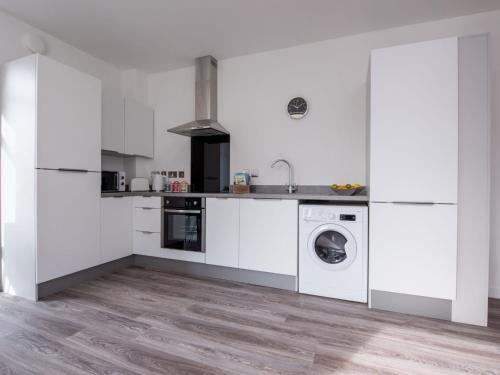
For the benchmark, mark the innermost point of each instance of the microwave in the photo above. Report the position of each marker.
(112, 181)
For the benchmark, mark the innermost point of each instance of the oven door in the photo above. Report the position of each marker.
(183, 229)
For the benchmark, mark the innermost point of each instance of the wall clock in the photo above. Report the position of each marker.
(297, 108)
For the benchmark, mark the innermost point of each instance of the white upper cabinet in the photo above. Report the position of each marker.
(268, 235)
(113, 123)
(68, 225)
(139, 129)
(414, 123)
(68, 117)
(116, 228)
(223, 230)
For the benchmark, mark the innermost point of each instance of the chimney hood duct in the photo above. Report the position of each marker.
(205, 123)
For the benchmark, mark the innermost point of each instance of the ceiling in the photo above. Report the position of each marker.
(157, 35)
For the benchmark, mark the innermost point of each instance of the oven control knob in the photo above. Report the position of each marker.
(167, 202)
(195, 203)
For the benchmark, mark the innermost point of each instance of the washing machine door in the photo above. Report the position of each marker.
(332, 247)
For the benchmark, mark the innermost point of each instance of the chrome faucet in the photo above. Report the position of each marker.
(291, 186)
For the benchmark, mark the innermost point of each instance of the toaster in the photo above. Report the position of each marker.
(139, 184)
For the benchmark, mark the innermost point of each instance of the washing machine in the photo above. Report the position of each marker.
(333, 251)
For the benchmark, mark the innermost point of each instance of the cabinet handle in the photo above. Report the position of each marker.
(118, 196)
(404, 202)
(147, 208)
(183, 211)
(145, 232)
(73, 170)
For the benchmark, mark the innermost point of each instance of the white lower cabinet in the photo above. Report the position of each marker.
(147, 243)
(222, 231)
(147, 219)
(68, 226)
(268, 235)
(116, 228)
(413, 249)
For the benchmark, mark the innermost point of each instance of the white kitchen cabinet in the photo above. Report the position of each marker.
(68, 117)
(147, 202)
(51, 127)
(147, 243)
(268, 235)
(147, 219)
(113, 123)
(116, 228)
(139, 129)
(67, 220)
(413, 249)
(414, 123)
(222, 231)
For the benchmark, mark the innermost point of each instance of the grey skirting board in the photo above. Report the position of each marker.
(226, 273)
(414, 305)
(168, 265)
(53, 286)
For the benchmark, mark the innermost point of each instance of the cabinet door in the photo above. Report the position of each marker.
(414, 123)
(222, 231)
(147, 219)
(413, 249)
(139, 129)
(268, 235)
(68, 117)
(116, 228)
(68, 222)
(113, 123)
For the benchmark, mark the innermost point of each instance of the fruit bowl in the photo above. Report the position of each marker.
(346, 189)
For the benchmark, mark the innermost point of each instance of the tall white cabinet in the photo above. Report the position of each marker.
(422, 149)
(51, 161)
(414, 169)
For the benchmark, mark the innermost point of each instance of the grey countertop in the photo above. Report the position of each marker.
(319, 193)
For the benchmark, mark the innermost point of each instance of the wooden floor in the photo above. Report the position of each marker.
(144, 322)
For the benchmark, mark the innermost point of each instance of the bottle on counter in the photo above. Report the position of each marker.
(184, 186)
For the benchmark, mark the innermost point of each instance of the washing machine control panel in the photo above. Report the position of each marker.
(327, 215)
(318, 214)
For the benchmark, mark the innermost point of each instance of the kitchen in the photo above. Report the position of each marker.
(259, 237)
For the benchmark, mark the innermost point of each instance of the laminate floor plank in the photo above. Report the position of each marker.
(33, 319)
(142, 321)
(87, 316)
(146, 360)
(233, 358)
(45, 356)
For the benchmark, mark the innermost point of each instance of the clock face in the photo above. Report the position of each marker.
(297, 108)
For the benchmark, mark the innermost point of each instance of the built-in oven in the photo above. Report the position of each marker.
(183, 223)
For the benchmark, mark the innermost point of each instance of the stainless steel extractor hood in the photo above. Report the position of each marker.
(205, 123)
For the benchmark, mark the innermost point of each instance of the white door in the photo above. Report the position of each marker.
(68, 117)
(414, 123)
(222, 231)
(139, 129)
(268, 235)
(413, 249)
(68, 222)
(116, 228)
(113, 123)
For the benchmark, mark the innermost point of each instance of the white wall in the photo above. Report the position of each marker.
(11, 47)
(329, 144)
